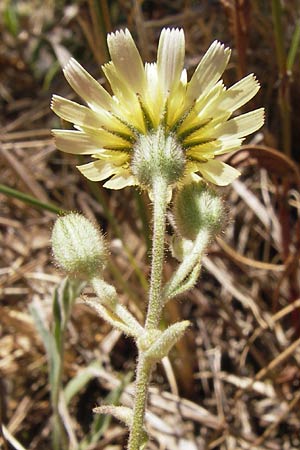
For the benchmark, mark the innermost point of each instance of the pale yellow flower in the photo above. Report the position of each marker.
(196, 114)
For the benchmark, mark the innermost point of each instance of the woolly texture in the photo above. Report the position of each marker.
(78, 246)
(197, 207)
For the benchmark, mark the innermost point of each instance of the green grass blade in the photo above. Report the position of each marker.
(29, 200)
(293, 48)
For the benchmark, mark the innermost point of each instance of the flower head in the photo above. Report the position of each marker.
(155, 102)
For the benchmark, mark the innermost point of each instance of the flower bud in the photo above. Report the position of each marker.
(198, 207)
(157, 155)
(78, 246)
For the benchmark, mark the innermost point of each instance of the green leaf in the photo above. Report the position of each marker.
(185, 285)
(122, 413)
(48, 341)
(52, 71)
(11, 19)
(166, 341)
(293, 48)
(41, 327)
(100, 422)
(29, 200)
(57, 317)
(108, 315)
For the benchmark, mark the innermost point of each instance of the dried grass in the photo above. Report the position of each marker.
(233, 382)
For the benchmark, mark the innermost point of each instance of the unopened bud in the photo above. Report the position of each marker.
(78, 246)
(198, 207)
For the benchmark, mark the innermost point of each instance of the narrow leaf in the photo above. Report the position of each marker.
(80, 380)
(293, 48)
(166, 341)
(121, 413)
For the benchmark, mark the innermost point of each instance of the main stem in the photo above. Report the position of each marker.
(155, 305)
(160, 201)
(141, 390)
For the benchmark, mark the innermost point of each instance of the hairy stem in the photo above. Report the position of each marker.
(160, 201)
(141, 391)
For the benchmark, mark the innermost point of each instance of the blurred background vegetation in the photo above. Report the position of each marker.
(233, 382)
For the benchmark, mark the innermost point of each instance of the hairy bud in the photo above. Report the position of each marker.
(78, 246)
(198, 207)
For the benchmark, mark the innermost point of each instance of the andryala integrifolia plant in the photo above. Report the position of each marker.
(164, 134)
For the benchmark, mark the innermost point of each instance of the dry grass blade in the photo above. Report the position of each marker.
(269, 158)
(236, 290)
(243, 260)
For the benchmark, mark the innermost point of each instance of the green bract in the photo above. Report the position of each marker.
(157, 155)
